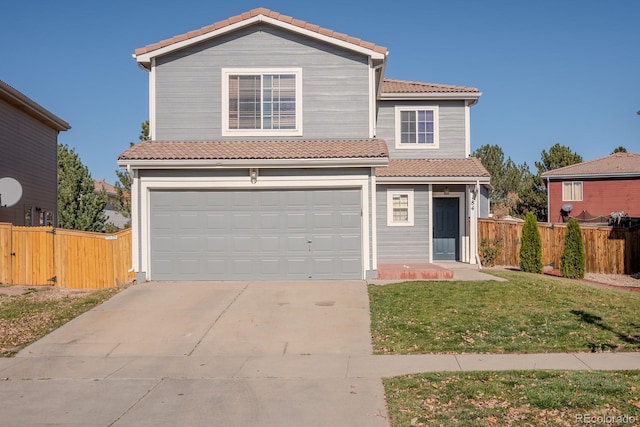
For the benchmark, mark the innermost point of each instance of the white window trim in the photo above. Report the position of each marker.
(410, 216)
(571, 199)
(260, 132)
(436, 127)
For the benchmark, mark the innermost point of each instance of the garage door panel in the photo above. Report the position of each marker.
(257, 234)
(350, 243)
(296, 221)
(296, 244)
(243, 221)
(242, 244)
(270, 221)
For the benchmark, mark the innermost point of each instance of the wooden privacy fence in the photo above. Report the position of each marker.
(608, 250)
(66, 258)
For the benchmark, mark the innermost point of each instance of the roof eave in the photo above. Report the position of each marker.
(244, 163)
(421, 96)
(21, 101)
(592, 176)
(144, 59)
(434, 179)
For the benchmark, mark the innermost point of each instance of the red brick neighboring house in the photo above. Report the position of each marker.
(600, 187)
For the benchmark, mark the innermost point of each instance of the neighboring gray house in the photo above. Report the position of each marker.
(29, 153)
(279, 150)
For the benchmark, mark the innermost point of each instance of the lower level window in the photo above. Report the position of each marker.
(399, 207)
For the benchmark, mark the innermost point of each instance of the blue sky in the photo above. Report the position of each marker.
(550, 72)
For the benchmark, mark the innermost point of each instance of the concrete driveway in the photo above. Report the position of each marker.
(221, 353)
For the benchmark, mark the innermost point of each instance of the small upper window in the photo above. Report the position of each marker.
(417, 127)
(262, 102)
(572, 191)
(399, 208)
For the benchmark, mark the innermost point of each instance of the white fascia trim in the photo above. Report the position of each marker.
(135, 221)
(145, 58)
(591, 176)
(204, 183)
(430, 231)
(152, 100)
(372, 99)
(435, 96)
(467, 129)
(432, 180)
(264, 163)
(374, 221)
(312, 34)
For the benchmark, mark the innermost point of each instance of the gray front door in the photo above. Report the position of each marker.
(446, 228)
(255, 234)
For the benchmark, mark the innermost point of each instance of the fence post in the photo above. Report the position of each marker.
(6, 249)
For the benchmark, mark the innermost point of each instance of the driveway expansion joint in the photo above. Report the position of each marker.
(218, 318)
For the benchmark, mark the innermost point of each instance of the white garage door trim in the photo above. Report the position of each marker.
(147, 184)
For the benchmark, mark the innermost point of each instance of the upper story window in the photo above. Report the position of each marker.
(572, 191)
(262, 102)
(417, 127)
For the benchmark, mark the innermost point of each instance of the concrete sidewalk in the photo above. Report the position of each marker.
(275, 390)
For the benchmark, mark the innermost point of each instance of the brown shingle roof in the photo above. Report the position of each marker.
(264, 12)
(249, 150)
(402, 86)
(614, 164)
(470, 167)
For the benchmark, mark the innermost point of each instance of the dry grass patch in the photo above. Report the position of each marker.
(31, 313)
(514, 398)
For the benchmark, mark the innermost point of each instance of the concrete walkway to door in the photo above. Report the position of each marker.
(229, 354)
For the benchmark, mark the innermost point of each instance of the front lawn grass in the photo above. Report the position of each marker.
(527, 314)
(27, 318)
(514, 398)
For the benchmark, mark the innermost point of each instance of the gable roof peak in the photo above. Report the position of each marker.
(260, 14)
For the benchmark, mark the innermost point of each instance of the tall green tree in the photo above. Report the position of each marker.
(531, 246)
(79, 206)
(558, 156)
(619, 149)
(123, 185)
(573, 261)
(533, 196)
(506, 176)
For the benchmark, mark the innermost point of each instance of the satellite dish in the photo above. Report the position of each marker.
(567, 208)
(10, 192)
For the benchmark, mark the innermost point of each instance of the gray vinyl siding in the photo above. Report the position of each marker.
(29, 155)
(404, 244)
(451, 124)
(335, 84)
